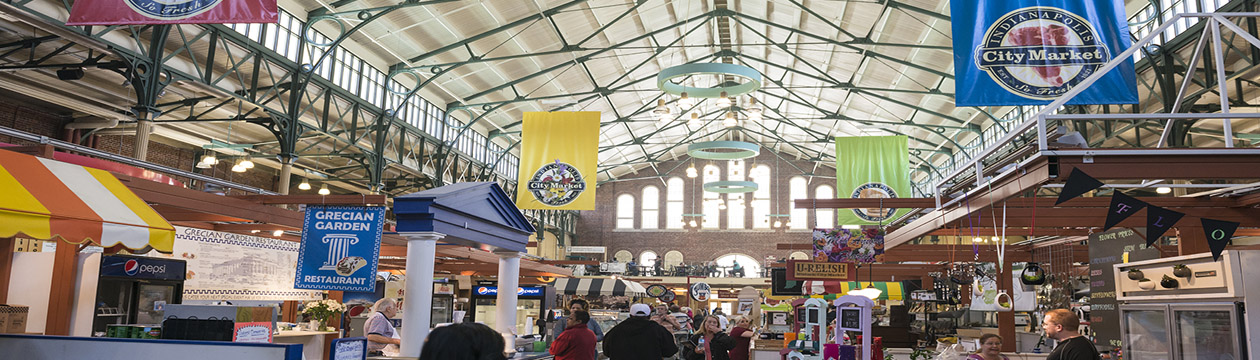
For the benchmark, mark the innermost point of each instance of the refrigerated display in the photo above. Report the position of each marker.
(135, 289)
(1209, 313)
(530, 304)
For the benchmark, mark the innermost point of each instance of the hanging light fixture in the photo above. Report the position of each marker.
(695, 120)
(730, 119)
(208, 160)
(721, 204)
(661, 110)
(277, 233)
(248, 163)
(754, 109)
(323, 189)
(239, 166)
(1163, 190)
(723, 100)
(691, 170)
(685, 101)
(305, 185)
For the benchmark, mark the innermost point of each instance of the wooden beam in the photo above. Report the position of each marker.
(1038, 231)
(1069, 217)
(1249, 200)
(174, 214)
(1166, 165)
(6, 267)
(894, 203)
(571, 262)
(314, 199)
(197, 201)
(936, 253)
(61, 292)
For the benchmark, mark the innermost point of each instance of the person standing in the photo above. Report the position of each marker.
(682, 318)
(639, 338)
(377, 329)
(576, 340)
(743, 334)
(710, 343)
(722, 320)
(1061, 325)
(576, 305)
(662, 316)
(990, 348)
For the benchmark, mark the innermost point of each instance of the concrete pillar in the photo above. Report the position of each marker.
(509, 280)
(286, 172)
(140, 150)
(417, 303)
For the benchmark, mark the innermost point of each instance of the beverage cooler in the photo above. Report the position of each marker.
(443, 303)
(1190, 307)
(531, 302)
(135, 289)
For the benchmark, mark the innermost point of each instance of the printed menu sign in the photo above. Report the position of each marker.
(1106, 249)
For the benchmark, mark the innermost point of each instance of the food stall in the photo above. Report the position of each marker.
(531, 302)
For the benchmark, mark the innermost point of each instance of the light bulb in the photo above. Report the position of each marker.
(723, 100)
(754, 115)
(305, 185)
(209, 159)
(691, 171)
(684, 101)
(323, 189)
(248, 163)
(778, 224)
(277, 233)
(730, 120)
(692, 223)
(722, 206)
(255, 231)
(238, 167)
(1163, 190)
(695, 120)
(977, 240)
(660, 107)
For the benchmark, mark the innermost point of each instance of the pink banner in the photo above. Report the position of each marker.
(147, 12)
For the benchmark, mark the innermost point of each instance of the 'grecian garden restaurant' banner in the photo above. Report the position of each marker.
(1029, 52)
(340, 247)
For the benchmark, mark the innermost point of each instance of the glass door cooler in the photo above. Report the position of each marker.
(1190, 307)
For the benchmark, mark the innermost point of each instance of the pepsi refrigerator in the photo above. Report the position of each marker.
(531, 302)
(134, 289)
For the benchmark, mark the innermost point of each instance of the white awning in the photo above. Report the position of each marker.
(599, 286)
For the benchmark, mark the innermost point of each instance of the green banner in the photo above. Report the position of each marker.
(871, 167)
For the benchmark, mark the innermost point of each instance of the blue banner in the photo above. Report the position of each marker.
(1030, 52)
(340, 247)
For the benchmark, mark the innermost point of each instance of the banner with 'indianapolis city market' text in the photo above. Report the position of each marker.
(155, 12)
(1030, 52)
(871, 167)
(559, 151)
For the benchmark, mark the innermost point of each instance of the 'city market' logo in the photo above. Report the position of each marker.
(556, 184)
(1040, 52)
(171, 9)
(874, 191)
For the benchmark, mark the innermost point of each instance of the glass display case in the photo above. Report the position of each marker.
(1208, 331)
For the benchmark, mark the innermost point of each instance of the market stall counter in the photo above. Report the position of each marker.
(517, 356)
(312, 341)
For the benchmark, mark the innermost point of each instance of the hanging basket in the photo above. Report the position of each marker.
(1003, 301)
(1033, 274)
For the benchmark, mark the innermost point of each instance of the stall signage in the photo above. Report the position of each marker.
(812, 270)
(443, 289)
(349, 349)
(520, 291)
(851, 319)
(1106, 249)
(700, 292)
(340, 247)
(588, 249)
(142, 268)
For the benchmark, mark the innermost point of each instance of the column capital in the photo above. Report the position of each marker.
(425, 235)
(507, 254)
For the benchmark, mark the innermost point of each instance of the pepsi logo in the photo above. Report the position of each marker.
(131, 267)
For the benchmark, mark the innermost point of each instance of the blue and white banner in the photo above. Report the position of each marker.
(1030, 52)
(340, 247)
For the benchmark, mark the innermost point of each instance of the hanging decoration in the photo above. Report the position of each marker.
(1078, 183)
(870, 167)
(1122, 206)
(1158, 221)
(749, 80)
(723, 150)
(558, 160)
(849, 246)
(1219, 233)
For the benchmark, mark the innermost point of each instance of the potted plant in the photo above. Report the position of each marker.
(1168, 282)
(1135, 274)
(1182, 271)
(1033, 274)
(1146, 284)
(320, 311)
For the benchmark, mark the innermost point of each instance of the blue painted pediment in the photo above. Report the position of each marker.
(477, 214)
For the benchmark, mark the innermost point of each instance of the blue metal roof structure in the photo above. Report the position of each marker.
(474, 214)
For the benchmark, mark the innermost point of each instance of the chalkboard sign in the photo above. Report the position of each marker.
(851, 319)
(813, 315)
(1107, 249)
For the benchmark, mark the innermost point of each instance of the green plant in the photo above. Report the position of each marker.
(920, 354)
(323, 310)
(887, 355)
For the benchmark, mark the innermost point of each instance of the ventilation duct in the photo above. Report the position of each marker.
(92, 122)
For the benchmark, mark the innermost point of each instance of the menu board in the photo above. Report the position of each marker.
(1108, 248)
(227, 266)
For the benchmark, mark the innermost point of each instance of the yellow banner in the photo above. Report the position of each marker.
(559, 152)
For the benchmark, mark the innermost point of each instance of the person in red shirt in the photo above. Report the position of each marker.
(576, 342)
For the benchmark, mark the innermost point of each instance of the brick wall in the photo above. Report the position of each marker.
(30, 119)
(597, 227)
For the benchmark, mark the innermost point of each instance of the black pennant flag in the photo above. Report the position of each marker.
(1218, 234)
(1122, 206)
(1078, 183)
(1158, 221)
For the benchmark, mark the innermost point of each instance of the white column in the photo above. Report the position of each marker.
(509, 280)
(417, 303)
(286, 171)
(140, 149)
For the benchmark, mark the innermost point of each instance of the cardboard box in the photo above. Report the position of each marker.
(13, 319)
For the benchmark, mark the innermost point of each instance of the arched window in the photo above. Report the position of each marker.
(625, 211)
(798, 189)
(674, 195)
(826, 217)
(623, 256)
(672, 259)
(712, 199)
(735, 202)
(751, 267)
(798, 255)
(761, 198)
(651, 208)
(647, 258)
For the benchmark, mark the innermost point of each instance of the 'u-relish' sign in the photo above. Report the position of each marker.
(810, 270)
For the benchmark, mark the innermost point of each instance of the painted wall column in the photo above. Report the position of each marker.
(505, 307)
(418, 304)
(140, 150)
(286, 171)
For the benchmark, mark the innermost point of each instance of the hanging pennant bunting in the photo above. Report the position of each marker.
(1218, 234)
(1158, 221)
(1078, 183)
(1122, 206)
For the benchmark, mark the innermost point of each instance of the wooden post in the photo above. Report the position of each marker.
(334, 322)
(6, 267)
(288, 311)
(1006, 319)
(61, 295)
(1191, 240)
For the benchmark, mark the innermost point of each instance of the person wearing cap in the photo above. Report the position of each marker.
(639, 338)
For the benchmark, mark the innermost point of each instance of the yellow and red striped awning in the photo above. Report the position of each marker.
(45, 199)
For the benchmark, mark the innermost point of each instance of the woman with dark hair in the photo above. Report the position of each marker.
(990, 348)
(463, 341)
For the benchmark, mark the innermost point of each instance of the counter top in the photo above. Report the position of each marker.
(517, 356)
(289, 333)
